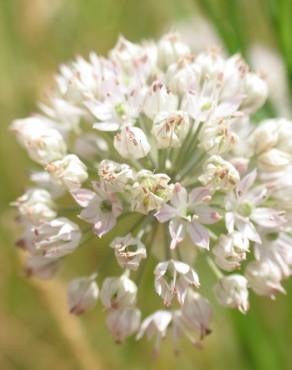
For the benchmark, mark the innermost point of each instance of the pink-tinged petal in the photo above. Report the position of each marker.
(83, 196)
(165, 213)
(257, 195)
(248, 231)
(207, 215)
(229, 221)
(199, 235)
(199, 195)
(161, 268)
(180, 196)
(268, 217)
(246, 183)
(177, 231)
(104, 225)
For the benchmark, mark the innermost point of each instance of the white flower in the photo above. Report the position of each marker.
(129, 251)
(43, 143)
(187, 213)
(184, 75)
(276, 247)
(69, 171)
(173, 278)
(197, 312)
(170, 49)
(115, 176)
(118, 292)
(133, 58)
(131, 142)
(41, 267)
(264, 277)
(231, 291)
(100, 208)
(216, 136)
(219, 174)
(82, 294)
(170, 129)
(272, 142)
(55, 238)
(150, 191)
(256, 90)
(242, 209)
(35, 206)
(158, 99)
(230, 250)
(123, 322)
(156, 326)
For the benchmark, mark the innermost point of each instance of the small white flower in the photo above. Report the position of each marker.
(216, 137)
(69, 171)
(100, 208)
(242, 209)
(115, 176)
(35, 206)
(231, 291)
(82, 294)
(264, 277)
(230, 250)
(41, 267)
(276, 247)
(156, 326)
(118, 292)
(186, 214)
(170, 129)
(55, 238)
(43, 143)
(256, 90)
(170, 49)
(129, 251)
(150, 191)
(197, 312)
(123, 322)
(219, 174)
(173, 278)
(158, 99)
(131, 142)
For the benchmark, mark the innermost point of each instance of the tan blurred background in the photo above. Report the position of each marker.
(36, 331)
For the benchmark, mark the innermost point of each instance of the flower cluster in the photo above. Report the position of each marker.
(155, 133)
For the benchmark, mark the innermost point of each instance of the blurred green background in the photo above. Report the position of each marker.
(36, 332)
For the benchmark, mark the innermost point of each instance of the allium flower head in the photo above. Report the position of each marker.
(155, 149)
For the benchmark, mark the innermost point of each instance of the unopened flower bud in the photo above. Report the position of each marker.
(123, 322)
(35, 206)
(69, 171)
(256, 90)
(115, 176)
(170, 49)
(131, 142)
(219, 174)
(129, 251)
(56, 238)
(264, 277)
(41, 267)
(170, 129)
(118, 292)
(230, 251)
(231, 291)
(82, 294)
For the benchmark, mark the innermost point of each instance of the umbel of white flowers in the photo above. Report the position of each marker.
(155, 134)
